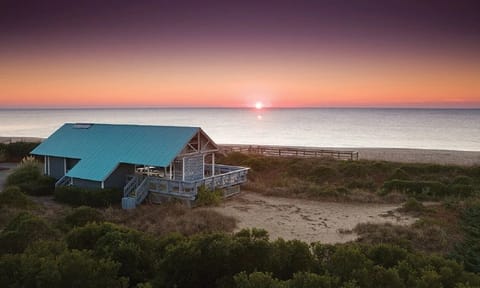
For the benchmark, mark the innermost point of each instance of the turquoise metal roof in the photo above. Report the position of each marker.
(102, 147)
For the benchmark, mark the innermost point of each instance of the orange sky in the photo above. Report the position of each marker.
(226, 80)
(309, 55)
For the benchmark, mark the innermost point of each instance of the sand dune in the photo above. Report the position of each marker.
(307, 220)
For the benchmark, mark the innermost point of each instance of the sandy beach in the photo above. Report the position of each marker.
(7, 140)
(308, 220)
(466, 158)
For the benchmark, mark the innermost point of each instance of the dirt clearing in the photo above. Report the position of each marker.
(307, 220)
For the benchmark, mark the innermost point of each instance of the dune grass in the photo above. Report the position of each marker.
(363, 180)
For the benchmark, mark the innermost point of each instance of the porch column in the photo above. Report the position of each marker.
(183, 169)
(213, 164)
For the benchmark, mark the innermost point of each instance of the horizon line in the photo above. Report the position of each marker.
(231, 107)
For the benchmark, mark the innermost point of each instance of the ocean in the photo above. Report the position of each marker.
(449, 129)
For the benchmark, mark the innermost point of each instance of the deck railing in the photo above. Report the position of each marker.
(285, 151)
(218, 176)
(141, 192)
(224, 176)
(64, 181)
(131, 185)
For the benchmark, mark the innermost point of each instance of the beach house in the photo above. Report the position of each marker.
(157, 162)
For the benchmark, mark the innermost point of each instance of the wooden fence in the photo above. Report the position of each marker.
(286, 151)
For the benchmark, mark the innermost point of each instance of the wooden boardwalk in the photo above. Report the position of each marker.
(287, 151)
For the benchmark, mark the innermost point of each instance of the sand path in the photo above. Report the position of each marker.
(307, 220)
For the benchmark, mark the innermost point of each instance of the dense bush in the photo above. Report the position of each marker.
(78, 196)
(22, 231)
(49, 264)
(28, 172)
(428, 189)
(399, 174)
(16, 151)
(28, 177)
(132, 249)
(12, 196)
(207, 197)
(106, 255)
(82, 215)
(43, 186)
(413, 205)
(468, 251)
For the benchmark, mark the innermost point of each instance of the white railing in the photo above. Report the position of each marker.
(189, 189)
(142, 191)
(131, 185)
(64, 181)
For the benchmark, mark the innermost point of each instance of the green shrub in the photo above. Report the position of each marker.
(18, 150)
(463, 180)
(82, 215)
(22, 231)
(386, 255)
(257, 280)
(353, 169)
(77, 196)
(322, 173)
(59, 268)
(417, 189)
(12, 196)
(399, 174)
(44, 185)
(86, 237)
(207, 197)
(3, 153)
(468, 251)
(290, 257)
(461, 190)
(413, 205)
(26, 173)
(28, 177)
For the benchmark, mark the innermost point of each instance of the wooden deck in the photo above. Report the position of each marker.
(223, 176)
(286, 151)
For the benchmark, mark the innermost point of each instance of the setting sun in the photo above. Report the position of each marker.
(258, 105)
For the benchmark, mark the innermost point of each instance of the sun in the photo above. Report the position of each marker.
(258, 105)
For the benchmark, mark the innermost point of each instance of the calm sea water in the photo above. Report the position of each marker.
(395, 128)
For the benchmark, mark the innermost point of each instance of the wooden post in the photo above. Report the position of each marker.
(213, 164)
(45, 165)
(183, 169)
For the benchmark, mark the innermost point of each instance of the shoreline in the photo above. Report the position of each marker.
(403, 155)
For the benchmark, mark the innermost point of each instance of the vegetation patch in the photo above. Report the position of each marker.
(13, 197)
(437, 231)
(468, 251)
(22, 231)
(28, 177)
(208, 197)
(172, 217)
(77, 196)
(412, 205)
(339, 180)
(14, 152)
(83, 215)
